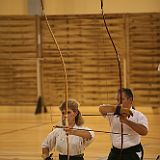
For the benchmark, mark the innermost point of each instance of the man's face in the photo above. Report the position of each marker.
(126, 102)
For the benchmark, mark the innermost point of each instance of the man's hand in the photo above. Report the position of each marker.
(121, 111)
(104, 109)
(126, 112)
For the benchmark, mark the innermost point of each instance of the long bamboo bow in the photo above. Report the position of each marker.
(119, 68)
(64, 70)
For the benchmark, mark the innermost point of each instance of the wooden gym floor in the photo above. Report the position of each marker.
(22, 132)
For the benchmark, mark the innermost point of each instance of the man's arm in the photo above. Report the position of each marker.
(117, 110)
(106, 108)
(137, 127)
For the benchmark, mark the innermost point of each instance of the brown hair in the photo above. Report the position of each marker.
(73, 105)
(127, 91)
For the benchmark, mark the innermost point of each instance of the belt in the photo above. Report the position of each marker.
(136, 148)
(79, 155)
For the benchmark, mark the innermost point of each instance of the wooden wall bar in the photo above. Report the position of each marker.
(17, 60)
(89, 56)
(144, 55)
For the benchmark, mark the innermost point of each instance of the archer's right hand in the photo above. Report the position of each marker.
(47, 158)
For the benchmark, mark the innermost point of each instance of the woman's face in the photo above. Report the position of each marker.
(70, 116)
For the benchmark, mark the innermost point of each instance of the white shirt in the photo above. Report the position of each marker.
(58, 139)
(133, 138)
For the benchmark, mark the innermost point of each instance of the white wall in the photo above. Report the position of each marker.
(93, 6)
(19, 7)
(13, 7)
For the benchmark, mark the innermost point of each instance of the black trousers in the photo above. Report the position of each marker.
(126, 154)
(76, 157)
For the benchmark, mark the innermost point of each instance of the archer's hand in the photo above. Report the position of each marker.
(68, 130)
(50, 157)
(121, 111)
(104, 109)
